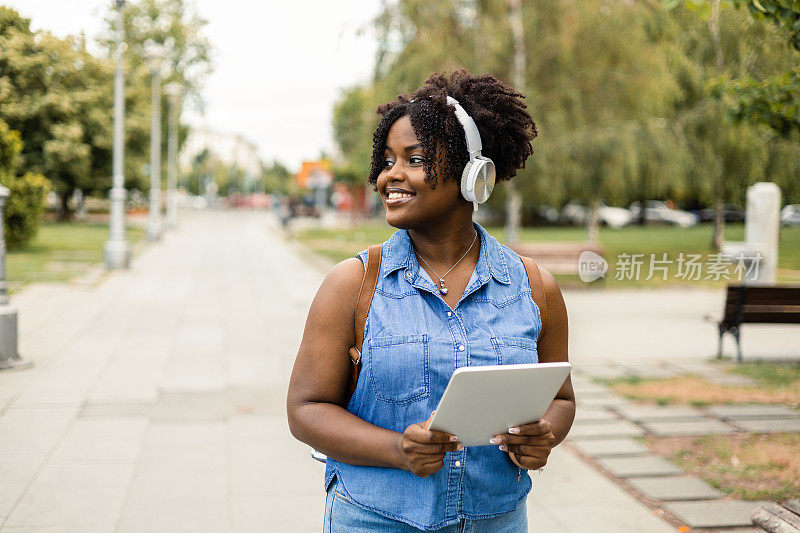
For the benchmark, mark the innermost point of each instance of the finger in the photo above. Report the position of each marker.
(531, 463)
(548, 440)
(530, 451)
(420, 434)
(540, 427)
(443, 447)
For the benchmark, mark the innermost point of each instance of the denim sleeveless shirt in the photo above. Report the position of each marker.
(413, 342)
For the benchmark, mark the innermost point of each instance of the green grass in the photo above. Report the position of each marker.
(747, 467)
(772, 375)
(338, 244)
(60, 252)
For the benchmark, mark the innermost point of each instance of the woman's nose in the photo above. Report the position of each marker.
(396, 173)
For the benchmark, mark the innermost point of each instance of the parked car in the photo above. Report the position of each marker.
(790, 215)
(731, 213)
(657, 212)
(613, 217)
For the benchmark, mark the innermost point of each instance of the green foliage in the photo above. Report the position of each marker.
(619, 91)
(278, 179)
(26, 203)
(175, 25)
(759, 99)
(56, 95)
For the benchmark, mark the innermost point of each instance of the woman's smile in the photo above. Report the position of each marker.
(396, 196)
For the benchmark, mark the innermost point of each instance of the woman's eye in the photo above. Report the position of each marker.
(416, 160)
(387, 163)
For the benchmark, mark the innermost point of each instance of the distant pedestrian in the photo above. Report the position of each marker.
(385, 471)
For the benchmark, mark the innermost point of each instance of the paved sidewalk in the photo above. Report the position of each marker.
(157, 399)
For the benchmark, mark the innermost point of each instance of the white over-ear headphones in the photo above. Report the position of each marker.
(477, 179)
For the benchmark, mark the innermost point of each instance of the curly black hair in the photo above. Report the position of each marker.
(505, 126)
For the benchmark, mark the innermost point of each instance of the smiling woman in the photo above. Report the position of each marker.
(385, 470)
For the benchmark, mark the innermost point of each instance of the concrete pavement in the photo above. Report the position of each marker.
(157, 399)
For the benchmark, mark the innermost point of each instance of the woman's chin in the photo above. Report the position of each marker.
(398, 220)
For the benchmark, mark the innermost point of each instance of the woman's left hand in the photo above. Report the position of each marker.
(528, 445)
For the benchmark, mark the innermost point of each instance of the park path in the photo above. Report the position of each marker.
(157, 398)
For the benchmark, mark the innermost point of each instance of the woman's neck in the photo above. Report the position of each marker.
(446, 244)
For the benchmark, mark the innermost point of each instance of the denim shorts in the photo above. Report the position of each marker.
(342, 515)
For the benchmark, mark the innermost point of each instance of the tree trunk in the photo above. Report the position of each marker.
(719, 184)
(593, 224)
(514, 203)
(64, 213)
(719, 211)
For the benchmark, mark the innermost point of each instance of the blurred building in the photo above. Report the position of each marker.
(232, 150)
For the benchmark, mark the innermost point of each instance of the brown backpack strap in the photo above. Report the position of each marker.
(365, 294)
(537, 289)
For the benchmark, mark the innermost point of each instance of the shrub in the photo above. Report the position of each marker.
(26, 204)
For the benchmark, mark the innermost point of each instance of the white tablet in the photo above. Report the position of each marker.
(483, 401)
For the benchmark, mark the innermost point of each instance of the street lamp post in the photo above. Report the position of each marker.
(173, 92)
(116, 250)
(9, 358)
(154, 55)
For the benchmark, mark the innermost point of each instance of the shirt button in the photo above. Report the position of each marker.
(461, 348)
(409, 275)
(458, 463)
(449, 313)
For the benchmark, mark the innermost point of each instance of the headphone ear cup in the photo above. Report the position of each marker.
(468, 183)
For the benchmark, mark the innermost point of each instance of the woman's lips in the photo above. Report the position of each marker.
(399, 199)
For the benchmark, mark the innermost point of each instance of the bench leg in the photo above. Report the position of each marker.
(738, 345)
(719, 343)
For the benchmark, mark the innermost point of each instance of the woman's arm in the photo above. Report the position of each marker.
(553, 347)
(318, 386)
(319, 383)
(530, 445)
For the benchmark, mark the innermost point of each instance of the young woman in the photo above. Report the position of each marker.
(448, 295)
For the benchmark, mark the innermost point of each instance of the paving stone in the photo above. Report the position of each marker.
(620, 428)
(723, 513)
(695, 369)
(609, 447)
(733, 412)
(769, 425)
(708, 426)
(585, 389)
(601, 371)
(674, 488)
(649, 371)
(731, 380)
(643, 466)
(650, 413)
(593, 416)
(608, 400)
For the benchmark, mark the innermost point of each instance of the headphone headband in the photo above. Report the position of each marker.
(478, 176)
(473, 137)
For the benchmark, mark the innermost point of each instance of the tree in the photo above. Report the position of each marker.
(770, 100)
(26, 204)
(178, 27)
(619, 91)
(55, 94)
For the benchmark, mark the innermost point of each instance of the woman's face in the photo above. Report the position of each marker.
(409, 201)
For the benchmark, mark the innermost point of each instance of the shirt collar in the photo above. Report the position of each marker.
(400, 255)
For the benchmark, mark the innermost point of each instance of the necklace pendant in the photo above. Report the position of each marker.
(442, 288)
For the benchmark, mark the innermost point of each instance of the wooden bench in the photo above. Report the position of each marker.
(556, 257)
(757, 304)
(775, 518)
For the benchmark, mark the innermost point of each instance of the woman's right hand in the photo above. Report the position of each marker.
(422, 450)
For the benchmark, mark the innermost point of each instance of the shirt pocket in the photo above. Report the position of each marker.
(398, 368)
(515, 350)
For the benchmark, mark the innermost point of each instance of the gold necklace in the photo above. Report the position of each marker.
(442, 288)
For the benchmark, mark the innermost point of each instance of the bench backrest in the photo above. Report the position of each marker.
(775, 304)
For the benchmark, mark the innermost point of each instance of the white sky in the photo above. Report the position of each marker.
(278, 65)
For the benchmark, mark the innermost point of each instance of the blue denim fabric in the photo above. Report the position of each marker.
(343, 515)
(413, 342)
